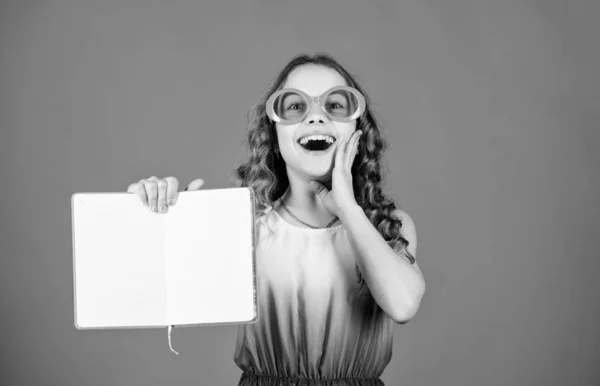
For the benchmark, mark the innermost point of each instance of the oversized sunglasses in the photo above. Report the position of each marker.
(290, 106)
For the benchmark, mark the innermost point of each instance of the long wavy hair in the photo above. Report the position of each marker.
(265, 170)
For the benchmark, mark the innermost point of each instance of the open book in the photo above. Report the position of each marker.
(194, 265)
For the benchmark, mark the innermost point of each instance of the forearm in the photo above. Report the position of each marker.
(396, 285)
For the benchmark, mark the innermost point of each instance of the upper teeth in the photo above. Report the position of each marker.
(316, 137)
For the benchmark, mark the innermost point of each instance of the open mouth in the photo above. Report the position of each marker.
(316, 142)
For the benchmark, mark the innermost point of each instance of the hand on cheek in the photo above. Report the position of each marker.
(341, 195)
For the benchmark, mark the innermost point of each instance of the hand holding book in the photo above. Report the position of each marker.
(160, 193)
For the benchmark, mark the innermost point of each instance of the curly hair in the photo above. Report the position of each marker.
(265, 172)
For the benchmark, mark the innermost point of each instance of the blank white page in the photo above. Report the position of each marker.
(118, 262)
(192, 265)
(210, 258)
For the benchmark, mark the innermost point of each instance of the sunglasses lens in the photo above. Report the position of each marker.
(341, 103)
(290, 106)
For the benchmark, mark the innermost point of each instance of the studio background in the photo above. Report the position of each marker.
(492, 112)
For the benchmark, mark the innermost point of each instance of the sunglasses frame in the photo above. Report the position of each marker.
(319, 100)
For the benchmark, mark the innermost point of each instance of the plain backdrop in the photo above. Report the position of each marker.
(492, 110)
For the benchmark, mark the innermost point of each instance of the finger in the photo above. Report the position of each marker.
(172, 186)
(352, 149)
(339, 154)
(195, 184)
(154, 199)
(152, 193)
(138, 188)
(162, 195)
(349, 150)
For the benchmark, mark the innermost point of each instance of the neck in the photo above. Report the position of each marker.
(302, 197)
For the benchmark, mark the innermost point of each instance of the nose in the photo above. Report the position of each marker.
(316, 115)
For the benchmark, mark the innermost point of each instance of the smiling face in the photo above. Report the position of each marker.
(314, 80)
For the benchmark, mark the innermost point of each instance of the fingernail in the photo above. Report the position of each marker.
(171, 202)
(153, 208)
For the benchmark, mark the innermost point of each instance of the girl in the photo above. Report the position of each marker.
(335, 259)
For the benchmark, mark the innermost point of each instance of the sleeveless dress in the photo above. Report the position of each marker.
(314, 328)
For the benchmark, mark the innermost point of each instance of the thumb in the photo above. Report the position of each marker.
(195, 184)
(320, 188)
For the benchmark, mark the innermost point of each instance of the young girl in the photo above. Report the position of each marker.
(335, 258)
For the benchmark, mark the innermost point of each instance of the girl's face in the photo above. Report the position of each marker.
(314, 80)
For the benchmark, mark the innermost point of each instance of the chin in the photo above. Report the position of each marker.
(311, 171)
(319, 171)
